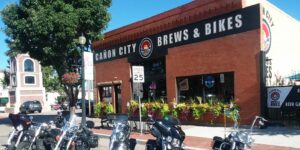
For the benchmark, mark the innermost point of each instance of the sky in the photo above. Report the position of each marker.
(124, 12)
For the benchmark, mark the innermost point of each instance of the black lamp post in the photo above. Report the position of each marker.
(82, 41)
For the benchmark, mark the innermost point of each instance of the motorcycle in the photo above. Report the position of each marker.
(35, 137)
(21, 125)
(237, 139)
(168, 133)
(76, 138)
(119, 139)
(60, 120)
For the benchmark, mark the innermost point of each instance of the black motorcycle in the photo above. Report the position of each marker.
(119, 139)
(168, 133)
(237, 139)
(35, 137)
(21, 125)
(74, 137)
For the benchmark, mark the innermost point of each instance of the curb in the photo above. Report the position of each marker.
(143, 142)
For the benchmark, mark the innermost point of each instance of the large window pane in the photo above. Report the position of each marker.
(218, 86)
(28, 65)
(29, 80)
(154, 87)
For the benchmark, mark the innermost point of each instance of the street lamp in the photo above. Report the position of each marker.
(82, 41)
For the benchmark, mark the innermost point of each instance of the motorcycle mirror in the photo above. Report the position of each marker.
(90, 124)
(260, 122)
(30, 117)
(51, 122)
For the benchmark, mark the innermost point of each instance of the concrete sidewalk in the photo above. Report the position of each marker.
(275, 136)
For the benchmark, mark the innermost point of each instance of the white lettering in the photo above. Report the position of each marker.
(109, 54)
(196, 33)
(96, 56)
(171, 38)
(229, 23)
(121, 51)
(133, 47)
(159, 42)
(207, 29)
(238, 20)
(185, 34)
(165, 39)
(222, 25)
(128, 48)
(113, 52)
(178, 36)
(104, 54)
(215, 27)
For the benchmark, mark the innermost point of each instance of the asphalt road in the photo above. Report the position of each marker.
(6, 127)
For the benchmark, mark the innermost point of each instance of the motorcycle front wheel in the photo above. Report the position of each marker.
(23, 146)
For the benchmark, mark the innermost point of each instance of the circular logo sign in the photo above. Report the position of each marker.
(209, 81)
(146, 48)
(275, 95)
(266, 36)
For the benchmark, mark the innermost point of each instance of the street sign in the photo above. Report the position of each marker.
(88, 66)
(138, 74)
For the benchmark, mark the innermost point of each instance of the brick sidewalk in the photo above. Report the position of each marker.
(191, 141)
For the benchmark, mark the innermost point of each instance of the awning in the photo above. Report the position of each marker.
(109, 83)
(295, 77)
(3, 100)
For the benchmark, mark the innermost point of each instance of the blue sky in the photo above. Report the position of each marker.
(125, 12)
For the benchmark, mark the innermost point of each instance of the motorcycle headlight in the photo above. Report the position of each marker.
(176, 142)
(169, 139)
(19, 127)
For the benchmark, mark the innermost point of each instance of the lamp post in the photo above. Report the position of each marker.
(82, 41)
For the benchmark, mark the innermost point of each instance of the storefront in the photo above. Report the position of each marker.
(202, 50)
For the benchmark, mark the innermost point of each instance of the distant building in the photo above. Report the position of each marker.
(26, 82)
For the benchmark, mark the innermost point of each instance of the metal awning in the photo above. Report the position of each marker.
(295, 76)
(108, 83)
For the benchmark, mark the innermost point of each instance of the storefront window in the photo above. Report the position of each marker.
(154, 87)
(218, 86)
(106, 93)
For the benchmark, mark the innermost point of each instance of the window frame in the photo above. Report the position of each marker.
(24, 65)
(34, 77)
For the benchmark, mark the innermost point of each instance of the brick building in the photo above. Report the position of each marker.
(202, 49)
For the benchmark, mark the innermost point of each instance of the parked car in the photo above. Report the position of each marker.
(30, 107)
(55, 106)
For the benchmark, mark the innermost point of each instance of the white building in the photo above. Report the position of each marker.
(26, 82)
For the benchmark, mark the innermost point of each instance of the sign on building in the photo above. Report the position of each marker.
(284, 97)
(138, 74)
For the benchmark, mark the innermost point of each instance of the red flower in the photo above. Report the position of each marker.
(71, 78)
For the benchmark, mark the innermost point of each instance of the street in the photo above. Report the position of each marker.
(5, 128)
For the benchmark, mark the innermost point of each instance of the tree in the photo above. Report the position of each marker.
(48, 30)
(5, 81)
(51, 80)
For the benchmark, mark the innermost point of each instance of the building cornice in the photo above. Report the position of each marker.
(186, 14)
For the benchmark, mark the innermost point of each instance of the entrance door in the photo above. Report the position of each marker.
(118, 98)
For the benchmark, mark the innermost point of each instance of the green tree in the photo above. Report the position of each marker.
(51, 80)
(5, 81)
(49, 29)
